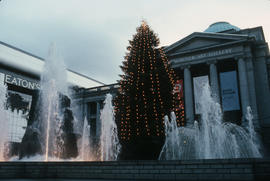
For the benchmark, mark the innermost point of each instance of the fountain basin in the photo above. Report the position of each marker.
(208, 169)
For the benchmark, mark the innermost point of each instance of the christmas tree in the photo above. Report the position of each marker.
(145, 96)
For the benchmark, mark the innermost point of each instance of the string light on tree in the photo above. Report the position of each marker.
(146, 89)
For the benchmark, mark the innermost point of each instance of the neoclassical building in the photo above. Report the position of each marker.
(235, 62)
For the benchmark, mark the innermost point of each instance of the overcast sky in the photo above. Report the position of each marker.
(93, 34)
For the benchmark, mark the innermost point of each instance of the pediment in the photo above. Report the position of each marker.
(197, 41)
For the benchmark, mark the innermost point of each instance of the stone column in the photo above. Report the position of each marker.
(189, 107)
(244, 91)
(214, 82)
(252, 91)
(98, 123)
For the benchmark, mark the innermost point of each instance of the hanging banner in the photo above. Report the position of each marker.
(229, 91)
(198, 84)
(178, 88)
(179, 108)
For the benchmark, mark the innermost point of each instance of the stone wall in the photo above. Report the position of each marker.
(227, 169)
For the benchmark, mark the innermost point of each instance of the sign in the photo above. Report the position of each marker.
(10, 79)
(179, 108)
(206, 55)
(178, 88)
(198, 84)
(229, 91)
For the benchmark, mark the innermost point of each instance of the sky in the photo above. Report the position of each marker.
(92, 35)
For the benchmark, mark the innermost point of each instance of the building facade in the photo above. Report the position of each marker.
(235, 62)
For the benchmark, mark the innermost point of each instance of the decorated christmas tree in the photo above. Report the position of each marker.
(145, 96)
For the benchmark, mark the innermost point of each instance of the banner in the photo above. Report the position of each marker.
(229, 91)
(178, 88)
(198, 84)
(179, 108)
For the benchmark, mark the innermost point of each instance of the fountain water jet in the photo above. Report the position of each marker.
(109, 142)
(53, 82)
(254, 139)
(211, 137)
(85, 153)
(179, 141)
(50, 124)
(3, 122)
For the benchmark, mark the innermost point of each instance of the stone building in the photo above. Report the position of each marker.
(235, 62)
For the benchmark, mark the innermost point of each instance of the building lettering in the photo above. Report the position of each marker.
(206, 55)
(21, 82)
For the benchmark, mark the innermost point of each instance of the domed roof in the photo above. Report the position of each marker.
(220, 27)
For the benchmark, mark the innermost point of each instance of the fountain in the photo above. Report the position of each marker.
(179, 142)
(85, 153)
(254, 139)
(50, 124)
(50, 130)
(109, 142)
(3, 123)
(211, 137)
(53, 133)
(53, 82)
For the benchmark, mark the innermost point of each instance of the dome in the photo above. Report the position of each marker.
(220, 27)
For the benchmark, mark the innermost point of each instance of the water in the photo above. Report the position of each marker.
(84, 149)
(109, 142)
(53, 82)
(211, 134)
(3, 123)
(85, 153)
(41, 158)
(254, 139)
(50, 133)
(211, 137)
(176, 146)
